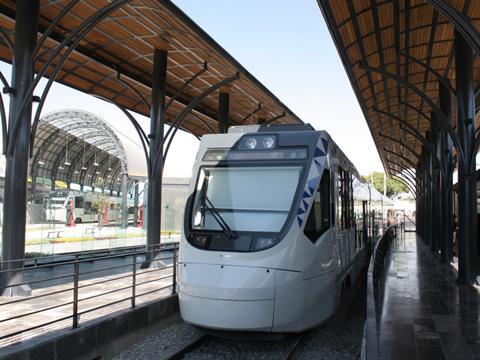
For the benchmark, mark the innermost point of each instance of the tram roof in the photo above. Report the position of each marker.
(114, 60)
(383, 43)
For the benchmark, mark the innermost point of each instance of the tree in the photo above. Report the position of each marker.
(393, 186)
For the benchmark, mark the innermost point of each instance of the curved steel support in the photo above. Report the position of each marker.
(212, 131)
(52, 26)
(477, 143)
(184, 86)
(405, 183)
(200, 97)
(275, 118)
(141, 134)
(58, 160)
(410, 162)
(401, 143)
(407, 176)
(79, 32)
(259, 107)
(3, 118)
(463, 25)
(414, 132)
(441, 116)
(102, 169)
(43, 147)
(403, 167)
(420, 112)
(4, 81)
(440, 78)
(129, 86)
(179, 120)
(434, 156)
(6, 38)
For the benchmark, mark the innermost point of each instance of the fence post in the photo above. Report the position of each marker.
(174, 279)
(134, 277)
(76, 276)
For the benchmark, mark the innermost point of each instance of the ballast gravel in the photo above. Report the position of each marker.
(340, 337)
(161, 343)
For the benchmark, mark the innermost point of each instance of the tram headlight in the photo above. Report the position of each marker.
(215, 155)
(268, 142)
(250, 143)
(200, 240)
(263, 243)
(258, 142)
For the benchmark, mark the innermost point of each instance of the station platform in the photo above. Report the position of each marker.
(425, 314)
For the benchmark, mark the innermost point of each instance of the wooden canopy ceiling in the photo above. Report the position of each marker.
(114, 60)
(383, 43)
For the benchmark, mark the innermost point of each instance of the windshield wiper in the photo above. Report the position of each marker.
(218, 218)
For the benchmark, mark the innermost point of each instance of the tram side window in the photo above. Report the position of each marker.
(339, 201)
(319, 218)
(345, 209)
(79, 202)
(88, 207)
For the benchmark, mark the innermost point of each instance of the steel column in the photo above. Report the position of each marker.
(124, 224)
(135, 203)
(445, 155)
(467, 195)
(435, 186)
(223, 110)
(157, 123)
(16, 171)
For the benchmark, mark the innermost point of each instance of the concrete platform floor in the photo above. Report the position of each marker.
(425, 315)
(57, 302)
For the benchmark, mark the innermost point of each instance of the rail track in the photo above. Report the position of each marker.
(202, 343)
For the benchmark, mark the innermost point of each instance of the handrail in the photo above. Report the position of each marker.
(378, 262)
(167, 253)
(89, 253)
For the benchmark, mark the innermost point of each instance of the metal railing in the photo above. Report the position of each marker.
(84, 288)
(375, 290)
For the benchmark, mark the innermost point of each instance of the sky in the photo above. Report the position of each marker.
(287, 46)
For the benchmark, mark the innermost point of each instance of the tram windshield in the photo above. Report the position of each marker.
(244, 198)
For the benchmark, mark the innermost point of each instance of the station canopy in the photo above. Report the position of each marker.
(392, 51)
(114, 60)
(78, 147)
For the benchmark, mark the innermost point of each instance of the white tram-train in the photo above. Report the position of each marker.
(270, 235)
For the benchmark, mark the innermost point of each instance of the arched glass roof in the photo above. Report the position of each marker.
(80, 147)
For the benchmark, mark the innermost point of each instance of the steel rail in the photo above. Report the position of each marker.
(180, 354)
